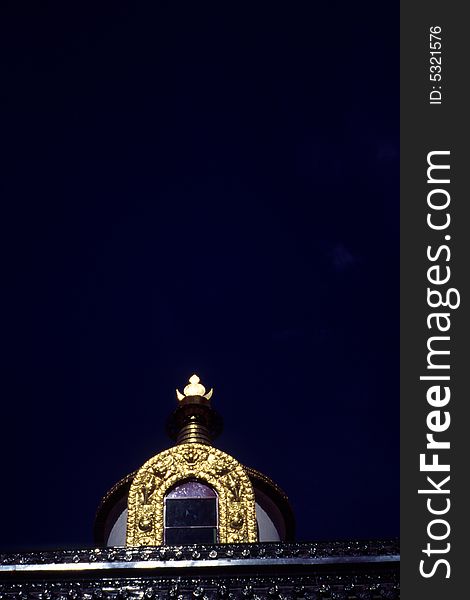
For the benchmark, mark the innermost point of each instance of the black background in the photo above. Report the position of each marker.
(207, 187)
(425, 128)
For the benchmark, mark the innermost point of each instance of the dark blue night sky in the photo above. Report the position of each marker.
(199, 187)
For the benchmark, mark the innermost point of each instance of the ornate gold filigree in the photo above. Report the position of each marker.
(237, 516)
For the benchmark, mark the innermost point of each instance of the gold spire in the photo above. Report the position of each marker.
(193, 425)
(194, 388)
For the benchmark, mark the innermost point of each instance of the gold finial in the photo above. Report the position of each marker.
(194, 388)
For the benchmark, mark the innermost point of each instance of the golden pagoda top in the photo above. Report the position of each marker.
(193, 460)
(194, 388)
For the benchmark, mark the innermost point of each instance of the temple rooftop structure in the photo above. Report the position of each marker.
(193, 492)
(193, 523)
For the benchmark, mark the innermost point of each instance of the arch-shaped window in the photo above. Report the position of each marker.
(191, 514)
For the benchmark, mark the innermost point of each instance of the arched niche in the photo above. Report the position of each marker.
(236, 516)
(190, 514)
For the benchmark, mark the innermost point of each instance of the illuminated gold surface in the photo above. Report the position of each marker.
(193, 432)
(194, 388)
(237, 516)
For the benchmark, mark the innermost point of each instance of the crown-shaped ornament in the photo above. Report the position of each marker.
(194, 388)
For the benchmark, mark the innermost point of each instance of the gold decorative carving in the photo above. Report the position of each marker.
(147, 489)
(194, 388)
(236, 499)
